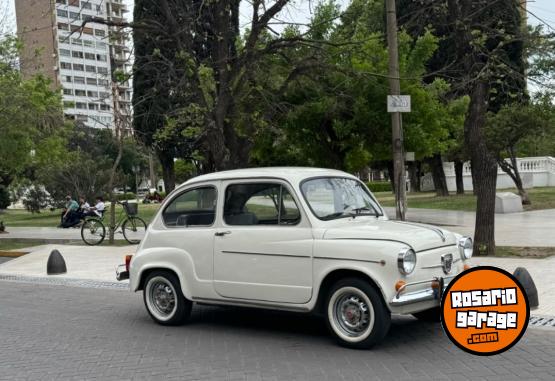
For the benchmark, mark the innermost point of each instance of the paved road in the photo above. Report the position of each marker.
(44, 233)
(514, 229)
(50, 234)
(5, 259)
(59, 332)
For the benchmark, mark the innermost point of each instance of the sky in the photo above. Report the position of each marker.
(301, 11)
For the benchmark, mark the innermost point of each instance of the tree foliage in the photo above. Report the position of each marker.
(333, 114)
(30, 114)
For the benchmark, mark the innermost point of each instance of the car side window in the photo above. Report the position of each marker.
(260, 204)
(196, 207)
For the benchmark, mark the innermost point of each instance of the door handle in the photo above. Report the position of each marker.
(221, 234)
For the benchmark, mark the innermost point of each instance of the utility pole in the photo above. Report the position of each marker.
(396, 120)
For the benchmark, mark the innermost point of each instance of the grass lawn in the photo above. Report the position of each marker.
(524, 252)
(46, 218)
(542, 198)
(8, 244)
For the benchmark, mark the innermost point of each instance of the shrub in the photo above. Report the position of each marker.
(35, 199)
(4, 197)
(126, 196)
(379, 186)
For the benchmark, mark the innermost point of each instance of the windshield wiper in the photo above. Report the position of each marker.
(332, 216)
(359, 211)
(363, 209)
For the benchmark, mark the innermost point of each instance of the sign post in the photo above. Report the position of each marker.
(398, 103)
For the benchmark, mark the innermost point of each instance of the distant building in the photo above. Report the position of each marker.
(81, 63)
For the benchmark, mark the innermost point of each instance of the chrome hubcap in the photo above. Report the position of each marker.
(163, 297)
(351, 314)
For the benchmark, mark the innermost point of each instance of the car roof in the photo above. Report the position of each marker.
(292, 174)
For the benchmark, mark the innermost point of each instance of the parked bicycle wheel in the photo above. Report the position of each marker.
(134, 229)
(93, 231)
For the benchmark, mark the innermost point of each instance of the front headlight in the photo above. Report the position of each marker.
(466, 247)
(406, 261)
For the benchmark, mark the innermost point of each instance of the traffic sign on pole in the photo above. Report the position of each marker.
(398, 103)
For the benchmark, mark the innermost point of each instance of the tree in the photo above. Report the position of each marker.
(332, 113)
(192, 54)
(508, 127)
(4, 197)
(488, 41)
(30, 113)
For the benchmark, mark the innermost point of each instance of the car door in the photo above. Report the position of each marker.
(263, 250)
(188, 225)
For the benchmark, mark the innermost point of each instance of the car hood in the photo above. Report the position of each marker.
(418, 236)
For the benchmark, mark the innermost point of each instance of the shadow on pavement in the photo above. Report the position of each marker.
(260, 322)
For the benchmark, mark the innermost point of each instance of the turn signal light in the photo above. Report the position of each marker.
(127, 261)
(399, 284)
(466, 267)
(435, 284)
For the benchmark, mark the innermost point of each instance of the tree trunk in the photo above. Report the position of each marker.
(438, 175)
(113, 199)
(414, 175)
(474, 180)
(168, 171)
(390, 175)
(514, 173)
(484, 168)
(459, 179)
(151, 171)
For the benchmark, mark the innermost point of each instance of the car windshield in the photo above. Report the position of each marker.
(337, 197)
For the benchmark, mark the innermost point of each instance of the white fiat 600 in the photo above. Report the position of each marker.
(296, 239)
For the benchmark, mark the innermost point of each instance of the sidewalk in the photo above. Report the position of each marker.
(82, 262)
(98, 264)
(42, 233)
(541, 270)
(535, 228)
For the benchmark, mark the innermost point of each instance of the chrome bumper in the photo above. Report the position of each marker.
(122, 273)
(402, 298)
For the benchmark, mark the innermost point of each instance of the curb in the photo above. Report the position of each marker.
(12, 254)
(60, 281)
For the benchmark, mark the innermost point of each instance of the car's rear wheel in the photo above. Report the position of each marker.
(431, 315)
(356, 314)
(164, 300)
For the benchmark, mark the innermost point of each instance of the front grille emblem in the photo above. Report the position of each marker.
(446, 263)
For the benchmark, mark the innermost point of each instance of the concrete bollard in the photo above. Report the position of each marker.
(525, 279)
(56, 263)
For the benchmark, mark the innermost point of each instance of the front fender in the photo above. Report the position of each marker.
(375, 259)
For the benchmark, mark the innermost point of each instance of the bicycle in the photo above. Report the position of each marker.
(133, 228)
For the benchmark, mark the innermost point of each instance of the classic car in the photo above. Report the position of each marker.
(296, 239)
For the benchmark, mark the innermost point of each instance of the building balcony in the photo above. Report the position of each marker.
(119, 6)
(120, 57)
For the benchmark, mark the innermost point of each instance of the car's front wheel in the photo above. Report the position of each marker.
(164, 300)
(356, 314)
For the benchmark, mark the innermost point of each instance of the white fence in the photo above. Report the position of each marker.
(534, 171)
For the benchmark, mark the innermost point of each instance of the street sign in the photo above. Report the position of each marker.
(398, 103)
(409, 156)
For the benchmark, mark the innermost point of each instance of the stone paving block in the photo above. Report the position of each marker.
(59, 333)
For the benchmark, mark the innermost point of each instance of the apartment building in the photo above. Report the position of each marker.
(81, 61)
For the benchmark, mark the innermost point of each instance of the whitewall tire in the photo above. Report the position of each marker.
(164, 300)
(356, 314)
